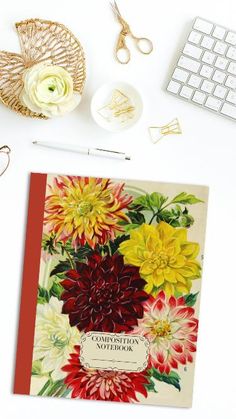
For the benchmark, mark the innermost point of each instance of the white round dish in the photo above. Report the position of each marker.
(102, 98)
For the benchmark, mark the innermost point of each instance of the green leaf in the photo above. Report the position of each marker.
(82, 253)
(149, 202)
(49, 244)
(114, 245)
(43, 295)
(45, 387)
(130, 227)
(53, 389)
(173, 378)
(136, 217)
(56, 290)
(62, 266)
(156, 200)
(184, 198)
(151, 386)
(36, 368)
(190, 299)
(141, 203)
(176, 217)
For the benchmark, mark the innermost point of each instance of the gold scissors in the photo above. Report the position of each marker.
(144, 45)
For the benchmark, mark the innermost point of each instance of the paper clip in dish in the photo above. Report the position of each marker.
(157, 133)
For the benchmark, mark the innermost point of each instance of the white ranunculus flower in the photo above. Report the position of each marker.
(54, 338)
(48, 89)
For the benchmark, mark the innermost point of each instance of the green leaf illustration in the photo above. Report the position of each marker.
(177, 217)
(152, 202)
(54, 389)
(62, 266)
(43, 295)
(136, 217)
(156, 200)
(151, 386)
(82, 253)
(114, 245)
(173, 378)
(190, 299)
(184, 198)
(56, 290)
(36, 368)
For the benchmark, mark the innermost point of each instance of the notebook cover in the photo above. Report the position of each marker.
(111, 290)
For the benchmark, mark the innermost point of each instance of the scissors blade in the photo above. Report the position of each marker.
(116, 11)
(115, 8)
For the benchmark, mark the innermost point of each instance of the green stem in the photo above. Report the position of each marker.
(72, 264)
(154, 215)
(159, 211)
(45, 387)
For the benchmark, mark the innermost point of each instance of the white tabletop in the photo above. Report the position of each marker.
(204, 154)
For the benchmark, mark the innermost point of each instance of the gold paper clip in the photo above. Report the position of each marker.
(119, 106)
(172, 128)
(5, 150)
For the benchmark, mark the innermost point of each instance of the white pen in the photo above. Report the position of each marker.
(100, 152)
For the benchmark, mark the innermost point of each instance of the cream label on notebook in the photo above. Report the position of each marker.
(111, 351)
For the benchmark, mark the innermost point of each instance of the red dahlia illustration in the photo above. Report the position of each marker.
(94, 384)
(104, 295)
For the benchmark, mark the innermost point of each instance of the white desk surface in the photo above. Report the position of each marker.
(204, 154)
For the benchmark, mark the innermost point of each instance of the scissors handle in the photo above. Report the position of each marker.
(144, 45)
(122, 51)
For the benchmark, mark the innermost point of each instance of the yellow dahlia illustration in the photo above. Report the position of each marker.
(85, 209)
(167, 260)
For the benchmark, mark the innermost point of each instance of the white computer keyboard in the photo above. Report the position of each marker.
(206, 70)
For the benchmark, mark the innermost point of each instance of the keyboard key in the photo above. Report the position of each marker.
(203, 26)
(194, 81)
(221, 63)
(231, 38)
(173, 87)
(208, 57)
(231, 53)
(219, 76)
(207, 86)
(206, 71)
(232, 68)
(231, 82)
(231, 97)
(186, 92)
(220, 92)
(220, 47)
(219, 32)
(213, 103)
(207, 42)
(180, 75)
(195, 37)
(199, 97)
(189, 64)
(229, 110)
(192, 51)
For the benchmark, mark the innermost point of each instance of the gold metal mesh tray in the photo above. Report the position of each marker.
(40, 41)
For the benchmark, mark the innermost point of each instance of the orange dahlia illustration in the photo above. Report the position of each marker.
(85, 209)
(116, 386)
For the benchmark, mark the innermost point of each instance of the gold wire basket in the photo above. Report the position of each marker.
(40, 41)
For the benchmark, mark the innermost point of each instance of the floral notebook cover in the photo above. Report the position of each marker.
(111, 289)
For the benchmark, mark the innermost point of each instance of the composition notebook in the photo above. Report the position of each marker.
(111, 290)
